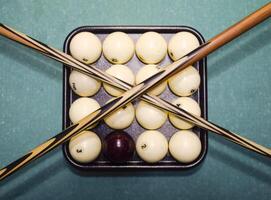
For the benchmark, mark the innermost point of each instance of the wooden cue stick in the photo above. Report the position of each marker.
(141, 88)
(99, 74)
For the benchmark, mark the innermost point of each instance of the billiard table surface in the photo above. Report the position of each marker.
(238, 99)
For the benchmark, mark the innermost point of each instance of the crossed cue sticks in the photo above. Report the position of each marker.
(140, 90)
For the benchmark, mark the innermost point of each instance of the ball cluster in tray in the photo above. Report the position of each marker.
(122, 145)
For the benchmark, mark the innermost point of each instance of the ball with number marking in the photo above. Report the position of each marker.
(182, 43)
(188, 104)
(151, 146)
(83, 85)
(146, 72)
(86, 47)
(118, 48)
(121, 118)
(186, 82)
(85, 147)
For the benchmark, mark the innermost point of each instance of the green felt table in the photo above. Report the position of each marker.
(239, 98)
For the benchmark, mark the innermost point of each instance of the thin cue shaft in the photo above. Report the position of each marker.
(59, 56)
(93, 118)
(98, 74)
(201, 122)
(138, 90)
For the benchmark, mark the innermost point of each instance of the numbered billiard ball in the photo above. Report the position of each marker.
(181, 44)
(186, 82)
(185, 146)
(146, 72)
(188, 104)
(118, 147)
(121, 118)
(82, 107)
(149, 116)
(83, 85)
(86, 47)
(151, 146)
(151, 48)
(118, 48)
(121, 72)
(85, 147)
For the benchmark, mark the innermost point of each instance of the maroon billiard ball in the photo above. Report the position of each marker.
(118, 147)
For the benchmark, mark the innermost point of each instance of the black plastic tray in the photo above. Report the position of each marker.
(135, 129)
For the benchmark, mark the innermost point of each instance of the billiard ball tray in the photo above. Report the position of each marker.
(135, 129)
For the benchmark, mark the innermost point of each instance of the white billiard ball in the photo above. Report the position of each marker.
(149, 116)
(151, 47)
(121, 118)
(181, 44)
(121, 72)
(147, 71)
(188, 104)
(85, 147)
(151, 146)
(186, 82)
(185, 146)
(86, 47)
(118, 48)
(82, 107)
(83, 85)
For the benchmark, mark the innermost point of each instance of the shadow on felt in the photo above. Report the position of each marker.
(31, 59)
(250, 168)
(245, 46)
(17, 186)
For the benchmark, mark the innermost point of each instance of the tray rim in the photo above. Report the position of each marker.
(143, 165)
